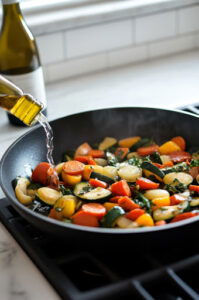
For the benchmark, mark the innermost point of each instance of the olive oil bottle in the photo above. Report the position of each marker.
(19, 105)
(19, 57)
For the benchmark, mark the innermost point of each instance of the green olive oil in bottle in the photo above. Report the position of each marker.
(19, 57)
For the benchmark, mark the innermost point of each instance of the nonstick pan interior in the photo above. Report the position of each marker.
(91, 127)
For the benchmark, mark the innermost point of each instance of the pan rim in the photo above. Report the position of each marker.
(100, 230)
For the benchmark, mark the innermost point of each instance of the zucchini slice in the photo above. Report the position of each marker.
(84, 191)
(21, 191)
(111, 217)
(168, 212)
(181, 167)
(107, 143)
(48, 196)
(155, 157)
(142, 142)
(101, 177)
(153, 169)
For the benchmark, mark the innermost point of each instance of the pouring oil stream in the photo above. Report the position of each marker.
(28, 110)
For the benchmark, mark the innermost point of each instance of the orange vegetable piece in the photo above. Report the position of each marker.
(40, 173)
(57, 215)
(86, 159)
(160, 223)
(184, 216)
(194, 188)
(179, 156)
(121, 188)
(73, 167)
(94, 209)
(115, 199)
(129, 142)
(180, 141)
(71, 179)
(120, 152)
(127, 203)
(109, 205)
(83, 149)
(98, 183)
(145, 220)
(176, 199)
(96, 153)
(85, 219)
(135, 213)
(146, 184)
(169, 147)
(144, 151)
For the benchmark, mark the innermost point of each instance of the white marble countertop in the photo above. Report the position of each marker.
(167, 82)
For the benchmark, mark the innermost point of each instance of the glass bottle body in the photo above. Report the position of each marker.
(19, 57)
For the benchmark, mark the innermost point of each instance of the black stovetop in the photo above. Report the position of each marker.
(91, 275)
(79, 274)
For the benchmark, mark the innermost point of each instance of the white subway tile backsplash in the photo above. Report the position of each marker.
(127, 55)
(51, 47)
(197, 40)
(79, 66)
(98, 38)
(154, 27)
(171, 46)
(188, 19)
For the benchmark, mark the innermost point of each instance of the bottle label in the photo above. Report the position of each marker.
(31, 83)
(4, 2)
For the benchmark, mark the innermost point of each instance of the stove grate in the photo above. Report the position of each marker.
(82, 275)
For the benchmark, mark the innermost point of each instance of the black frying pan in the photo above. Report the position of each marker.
(93, 126)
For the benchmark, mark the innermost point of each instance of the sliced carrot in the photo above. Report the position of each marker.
(86, 159)
(194, 188)
(115, 199)
(179, 156)
(184, 216)
(146, 184)
(57, 215)
(176, 199)
(129, 142)
(144, 151)
(135, 213)
(98, 183)
(96, 153)
(180, 141)
(94, 209)
(40, 173)
(165, 165)
(85, 219)
(127, 203)
(83, 149)
(120, 153)
(73, 167)
(121, 188)
(160, 223)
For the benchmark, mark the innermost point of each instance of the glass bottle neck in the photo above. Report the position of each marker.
(11, 8)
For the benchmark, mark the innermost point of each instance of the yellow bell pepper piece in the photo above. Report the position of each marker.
(149, 173)
(145, 220)
(67, 205)
(169, 147)
(59, 167)
(71, 179)
(164, 201)
(129, 142)
(88, 169)
(109, 205)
